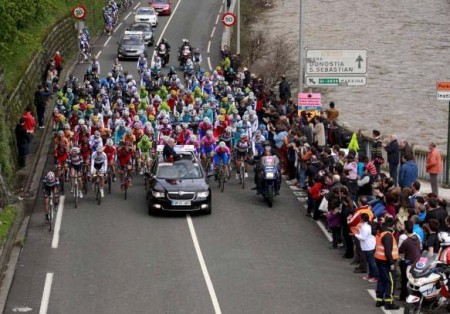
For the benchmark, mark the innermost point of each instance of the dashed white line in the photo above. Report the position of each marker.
(212, 32)
(107, 41)
(46, 294)
(221, 8)
(128, 15)
(209, 64)
(55, 241)
(217, 19)
(118, 26)
(209, 47)
(201, 260)
(168, 21)
(138, 4)
(98, 54)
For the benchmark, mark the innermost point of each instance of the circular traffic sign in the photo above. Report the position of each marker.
(229, 19)
(79, 12)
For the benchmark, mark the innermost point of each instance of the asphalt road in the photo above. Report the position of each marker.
(244, 258)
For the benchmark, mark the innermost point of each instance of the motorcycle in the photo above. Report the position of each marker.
(185, 54)
(427, 285)
(164, 54)
(269, 178)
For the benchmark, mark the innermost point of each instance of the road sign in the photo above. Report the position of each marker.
(79, 12)
(443, 90)
(336, 62)
(309, 101)
(229, 19)
(328, 81)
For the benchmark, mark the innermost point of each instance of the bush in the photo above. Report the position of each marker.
(7, 217)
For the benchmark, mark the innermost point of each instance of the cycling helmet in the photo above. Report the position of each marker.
(109, 142)
(136, 118)
(257, 133)
(222, 144)
(444, 238)
(96, 134)
(221, 118)
(75, 150)
(206, 120)
(184, 125)
(193, 138)
(128, 131)
(144, 138)
(265, 143)
(138, 126)
(178, 128)
(243, 136)
(209, 132)
(100, 149)
(81, 122)
(50, 178)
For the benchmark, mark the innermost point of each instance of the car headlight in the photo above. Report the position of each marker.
(204, 194)
(157, 194)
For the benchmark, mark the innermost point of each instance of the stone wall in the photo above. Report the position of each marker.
(62, 37)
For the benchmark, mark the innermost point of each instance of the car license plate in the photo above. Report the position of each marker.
(181, 203)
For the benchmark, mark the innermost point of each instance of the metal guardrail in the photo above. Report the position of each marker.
(420, 156)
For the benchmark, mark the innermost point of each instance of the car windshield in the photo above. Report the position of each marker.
(159, 1)
(131, 42)
(182, 169)
(141, 27)
(145, 11)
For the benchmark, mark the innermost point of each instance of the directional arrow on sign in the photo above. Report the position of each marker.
(359, 60)
(312, 81)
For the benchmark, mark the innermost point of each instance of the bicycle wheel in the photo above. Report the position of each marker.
(75, 191)
(109, 182)
(62, 179)
(50, 213)
(85, 183)
(242, 174)
(98, 194)
(222, 181)
(125, 186)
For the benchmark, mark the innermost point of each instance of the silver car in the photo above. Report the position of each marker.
(131, 47)
(142, 29)
(147, 15)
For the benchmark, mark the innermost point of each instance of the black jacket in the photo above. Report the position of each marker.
(285, 90)
(393, 152)
(169, 152)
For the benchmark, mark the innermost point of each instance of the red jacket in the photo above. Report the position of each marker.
(30, 122)
(314, 191)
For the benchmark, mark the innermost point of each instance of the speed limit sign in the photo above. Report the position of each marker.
(229, 19)
(79, 12)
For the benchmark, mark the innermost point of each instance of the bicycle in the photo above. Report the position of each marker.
(62, 176)
(242, 172)
(84, 178)
(96, 182)
(207, 165)
(75, 189)
(125, 183)
(51, 211)
(109, 179)
(222, 175)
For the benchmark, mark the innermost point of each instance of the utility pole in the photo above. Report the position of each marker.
(447, 164)
(238, 45)
(300, 47)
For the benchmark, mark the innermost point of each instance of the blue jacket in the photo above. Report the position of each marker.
(408, 173)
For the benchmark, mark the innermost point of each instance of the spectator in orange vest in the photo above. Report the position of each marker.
(434, 167)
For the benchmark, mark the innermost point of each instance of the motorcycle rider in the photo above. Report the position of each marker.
(267, 158)
(197, 59)
(185, 47)
(386, 255)
(163, 50)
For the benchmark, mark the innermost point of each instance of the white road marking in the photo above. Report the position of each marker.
(46, 294)
(374, 296)
(217, 19)
(209, 63)
(324, 230)
(209, 47)
(221, 8)
(209, 284)
(107, 41)
(138, 4)
(55, 241)
(118, 26)
(98, 54)
(22, 309)
(212, 32)
(128, 15)
(168, 21)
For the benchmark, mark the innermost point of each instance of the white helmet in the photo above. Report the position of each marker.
(444, 238)
(109, 142)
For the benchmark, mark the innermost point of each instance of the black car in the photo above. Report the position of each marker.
(178, 186)
(131, 47)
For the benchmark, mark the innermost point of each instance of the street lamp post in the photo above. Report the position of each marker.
(447, 164)
(300, 48)
(238, 35)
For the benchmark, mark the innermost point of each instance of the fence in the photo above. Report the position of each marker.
(420, 156)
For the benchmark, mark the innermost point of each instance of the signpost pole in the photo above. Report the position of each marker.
(300, 47)
(447, 164)
(238, 46)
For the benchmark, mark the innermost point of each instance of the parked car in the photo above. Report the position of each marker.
(147, 15)
(131, 47)
(142, 29)
(163, 7)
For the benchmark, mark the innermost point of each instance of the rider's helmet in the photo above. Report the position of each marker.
(128, 131)
(184, 125)
(222, 144)
(60, 133)
(142, 56)
(137, 126)
(165, 121)
(109, 142)
(50, 178)
(221, 118)
(75, 150)
(258, 133)
(144, 138)
(96, 134)
(244, 136)
(444, 238)
(193, 138)
(206, 120)
(209, 133)
(81, 122)
(100, 149)
(136, 118)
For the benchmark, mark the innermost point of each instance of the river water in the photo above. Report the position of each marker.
(408, 50)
